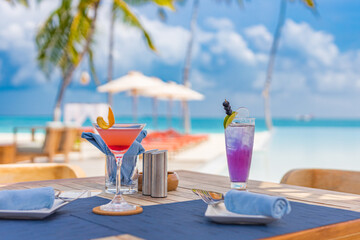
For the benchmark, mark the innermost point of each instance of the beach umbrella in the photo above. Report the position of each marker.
(133, 83)
(172, 91)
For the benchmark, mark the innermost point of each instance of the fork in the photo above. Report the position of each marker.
(207, 197)
(65, 199)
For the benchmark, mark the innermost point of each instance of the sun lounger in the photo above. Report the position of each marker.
(171, 140)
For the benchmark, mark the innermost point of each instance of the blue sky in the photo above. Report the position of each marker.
(317, 70)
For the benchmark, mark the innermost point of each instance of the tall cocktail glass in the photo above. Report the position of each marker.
(239, 139)
(119, 138)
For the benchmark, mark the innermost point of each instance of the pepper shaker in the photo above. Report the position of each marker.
(159, 174)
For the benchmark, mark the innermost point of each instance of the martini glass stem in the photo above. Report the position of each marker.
(118, 197)
(118, 203)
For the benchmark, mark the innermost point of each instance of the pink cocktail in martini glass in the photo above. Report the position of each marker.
(119, 138)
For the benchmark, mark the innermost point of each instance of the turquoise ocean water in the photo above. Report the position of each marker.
(199, 125)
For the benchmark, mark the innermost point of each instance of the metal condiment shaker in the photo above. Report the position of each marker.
(146, 180)
(159, 174)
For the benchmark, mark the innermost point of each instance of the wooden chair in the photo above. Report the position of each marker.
(11, 173)
(67, 141)
(335, 180)
(48, 148)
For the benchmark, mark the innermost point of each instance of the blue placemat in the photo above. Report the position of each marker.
(183, 220)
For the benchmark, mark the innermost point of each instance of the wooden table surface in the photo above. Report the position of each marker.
(189, 180)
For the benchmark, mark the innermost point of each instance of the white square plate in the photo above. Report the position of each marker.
(32, 214)
(219, 214)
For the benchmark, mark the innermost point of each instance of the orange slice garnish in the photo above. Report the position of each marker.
(111, 119)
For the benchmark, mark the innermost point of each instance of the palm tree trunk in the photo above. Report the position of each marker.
(111, 56)
(60, 95)
(270, 67)
(186, 82)
(69, 73)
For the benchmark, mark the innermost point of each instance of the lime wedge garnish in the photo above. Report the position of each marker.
(228, 119)
(111, 119)
(225, 120)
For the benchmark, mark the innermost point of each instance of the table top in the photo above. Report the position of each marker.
(189, 180)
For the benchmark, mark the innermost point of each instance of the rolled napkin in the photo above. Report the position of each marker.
(129, 159)
(27, 199)
(248, 203)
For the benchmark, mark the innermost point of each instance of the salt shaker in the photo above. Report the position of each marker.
(159, 174)
(146, 181)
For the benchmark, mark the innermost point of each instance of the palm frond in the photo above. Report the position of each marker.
(52, 37)
(162, 3)
(80, 29)
(22, 2)
(130, 18)
(309, 3)
(165, 3)
(62, 39)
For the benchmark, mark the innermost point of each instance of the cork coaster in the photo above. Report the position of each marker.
(97, 210)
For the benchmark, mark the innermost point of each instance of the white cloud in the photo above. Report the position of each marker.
(282, 81)
(200, 81)
(317, 44)
(337, 81)
(219, 23)
(27, 76)
(205, 58)
(315, 63)
(172, 41)
(260, 36)
(131, 51)
(226, 41)
(234, 45)
(17, 34)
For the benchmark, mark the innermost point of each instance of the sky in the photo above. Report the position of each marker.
(317, 69)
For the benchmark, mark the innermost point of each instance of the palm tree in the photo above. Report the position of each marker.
(271, 62)
(111, 55)
(64, 39)
(67, 36)
(186, 82)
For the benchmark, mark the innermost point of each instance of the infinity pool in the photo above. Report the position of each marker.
(303, 147)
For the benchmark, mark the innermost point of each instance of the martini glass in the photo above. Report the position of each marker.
(119, 139)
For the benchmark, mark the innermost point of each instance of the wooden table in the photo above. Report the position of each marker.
(189, 180)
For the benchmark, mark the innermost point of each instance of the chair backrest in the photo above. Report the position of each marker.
(329, 179)
(68, 139)
(52, 139)
(11, 173)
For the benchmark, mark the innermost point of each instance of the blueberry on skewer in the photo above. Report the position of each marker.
(227, 107)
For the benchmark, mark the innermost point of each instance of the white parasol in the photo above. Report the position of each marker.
(133, 82)
(172, 91)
